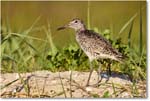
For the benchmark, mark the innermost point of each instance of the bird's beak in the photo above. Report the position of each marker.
(63, 27)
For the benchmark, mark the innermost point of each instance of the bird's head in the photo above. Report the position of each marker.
(76, 24)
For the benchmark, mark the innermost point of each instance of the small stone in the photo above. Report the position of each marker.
(89, 89)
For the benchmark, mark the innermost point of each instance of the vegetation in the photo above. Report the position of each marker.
(19, 54)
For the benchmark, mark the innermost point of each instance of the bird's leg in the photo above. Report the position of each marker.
(108, 70)
(91, 70)
(99, 74)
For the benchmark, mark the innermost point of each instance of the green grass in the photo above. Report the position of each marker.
(20, 54)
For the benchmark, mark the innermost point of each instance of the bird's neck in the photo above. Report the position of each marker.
(81, 29)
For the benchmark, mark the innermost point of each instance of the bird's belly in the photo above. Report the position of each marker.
(92, 54)
(89, 54)
(86, 46)
(87, 50)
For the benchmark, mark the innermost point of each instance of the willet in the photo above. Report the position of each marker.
(93, 44)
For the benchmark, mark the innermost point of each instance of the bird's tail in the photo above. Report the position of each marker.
(121, 58)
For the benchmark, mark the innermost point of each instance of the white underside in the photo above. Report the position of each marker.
(101, 56)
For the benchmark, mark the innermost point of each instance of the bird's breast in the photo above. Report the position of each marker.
(84, 44)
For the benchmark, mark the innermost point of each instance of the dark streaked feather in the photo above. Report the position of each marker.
(97, 45)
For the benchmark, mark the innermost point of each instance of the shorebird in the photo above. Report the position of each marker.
(94, 45)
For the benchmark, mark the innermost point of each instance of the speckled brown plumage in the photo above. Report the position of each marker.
(96, 46)
(93, 44)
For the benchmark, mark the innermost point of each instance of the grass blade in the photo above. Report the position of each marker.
(27, 36)
(127, 23)
(129, 35)
(31, 46)
(88, 15)
(114, 91)
(31, 27)
(62, 86)
(71, 83)
(8, 84)
(140, 34)
(49, 36)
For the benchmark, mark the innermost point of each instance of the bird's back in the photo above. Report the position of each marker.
(96, 46)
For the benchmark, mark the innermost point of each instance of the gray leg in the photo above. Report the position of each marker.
(103, 75)
(98, 74)
(99, 71)
(108, 71)
(91, 70)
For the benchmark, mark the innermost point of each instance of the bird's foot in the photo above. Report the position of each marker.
(99, 81)
(106, 76)
(102, 76)
(97, 84)
(94, 85)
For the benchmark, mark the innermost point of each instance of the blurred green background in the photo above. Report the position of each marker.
(31, 42)
(104, 15)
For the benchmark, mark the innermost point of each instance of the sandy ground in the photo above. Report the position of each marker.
(45, 84)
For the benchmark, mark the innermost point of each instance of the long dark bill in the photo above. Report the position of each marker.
(61, 28)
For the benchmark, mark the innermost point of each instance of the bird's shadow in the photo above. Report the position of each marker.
(115, 74)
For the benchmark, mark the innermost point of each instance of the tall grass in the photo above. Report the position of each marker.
(19, 54)
(129, 35)
(19, 49)
(49, 37)
(140, 34)
(88, 15)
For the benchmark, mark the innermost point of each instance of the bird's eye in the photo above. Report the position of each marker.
(76, 21)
